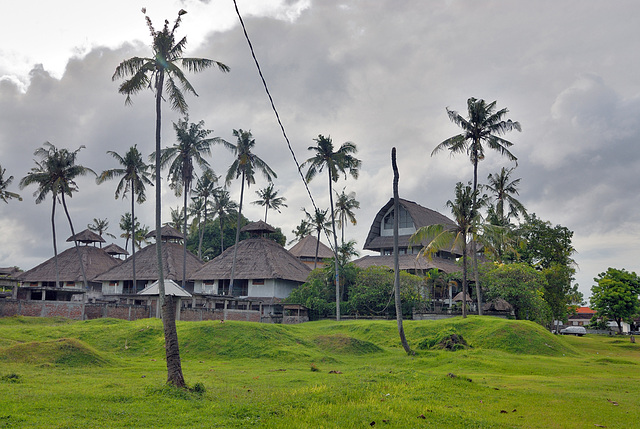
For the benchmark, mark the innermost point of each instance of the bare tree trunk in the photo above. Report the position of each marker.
(396, 262)
(55, 244)
(73, 234)
(201, 230)
(315, 261)
(235, 248)
(476, 277)
(464, 281)
(172, 349)
(335, 249)
(133, 233)
(184, 241)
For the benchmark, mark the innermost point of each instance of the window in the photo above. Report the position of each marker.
(404, 221)
(258, 281)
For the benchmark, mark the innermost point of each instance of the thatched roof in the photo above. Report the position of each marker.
(147, 264)
(170, 288)
(114, 249)
(86, 236)
(258, 258)
(408, 262)
(259, 227)
(458, 297)
(497, 304)
(421, 216)
(167, 232)
(95, 260)
(306, 248)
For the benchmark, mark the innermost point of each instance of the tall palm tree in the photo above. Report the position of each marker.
(134, 175)
(504, 189)
(318, 221)
(269, 199)
(243, 167)
(301, 231)
(100, 226)
(340, 161)
(345, 204)
(223, 206)
(483, 125)
(440, 237)
(204, 190)
(159, 72)
(191, 147)
(4, 184)
(55, 173)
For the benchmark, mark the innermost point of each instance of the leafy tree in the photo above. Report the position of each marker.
(205, 188)
(521, 286)
(243, 167)
(559, 292)
(336, 162)
(193, 143)
(319, 222)
(483, 125)
(134, 175)
(4, 184)
(545, 245)
(345, 204)
(316, 294)
(55, 173)
(615, 295)
(452, 237)
(160, 72)
(269, 199)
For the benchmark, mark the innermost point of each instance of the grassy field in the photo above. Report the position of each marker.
(110, 374)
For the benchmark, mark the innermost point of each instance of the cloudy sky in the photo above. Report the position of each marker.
(380, 74)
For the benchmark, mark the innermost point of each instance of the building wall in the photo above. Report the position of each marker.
(273, 288)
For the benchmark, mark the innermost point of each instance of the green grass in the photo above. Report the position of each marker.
(110, 373)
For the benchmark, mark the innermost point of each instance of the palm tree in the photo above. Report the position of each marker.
(301, 231)
(340, 161)
(55, 173)
(151, 72)
(223, 206)
(483, 125)
(204, 191)
(177, 218)
(100, 226)
(4, 184)
(345, 204)
(504, 190)
(134, 175)
(127, 228)
(190, 149)
(318, 221)
(440, 237)
(269, 199)
(244, 167)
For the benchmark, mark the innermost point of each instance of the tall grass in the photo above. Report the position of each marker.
(110, 374)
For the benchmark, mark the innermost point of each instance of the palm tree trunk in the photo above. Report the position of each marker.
(464, 280)
(335, 249)
(172, 349)
(55, 244)
(473, 241)
(202, 225)
(266, 209)
(73, 234)
(184, 241)
(315, 261)
(221, 235)
(396, 262)
(133, 234)
(235, 248)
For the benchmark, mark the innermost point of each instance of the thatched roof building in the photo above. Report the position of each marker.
(113, 249)
(263, 269)
(85, 237)
(305, 251)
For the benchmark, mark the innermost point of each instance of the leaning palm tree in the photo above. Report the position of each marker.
(269, 199)
(319, 222)
(440, 237)
(345, 204)
(340, 161)
(204, 190)
(159, 72)
(4, 184)
(483, 125)
(192, 145)
(504, 190)
(100, 226)
(55, 173)
(223, 207)
(243, 167)
(134, 175)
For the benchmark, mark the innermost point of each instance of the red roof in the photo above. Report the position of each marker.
(585, 310)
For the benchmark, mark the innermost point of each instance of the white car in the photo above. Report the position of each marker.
(574, 330)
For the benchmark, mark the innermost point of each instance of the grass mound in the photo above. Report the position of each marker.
(345, 344)
(448, 339)
(63, 352)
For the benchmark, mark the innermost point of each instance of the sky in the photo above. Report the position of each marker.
(379, 74)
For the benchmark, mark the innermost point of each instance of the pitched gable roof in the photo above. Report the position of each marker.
(258, 258)
(408, 262)
(147, 264)
(306, 248)
(95, 261)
